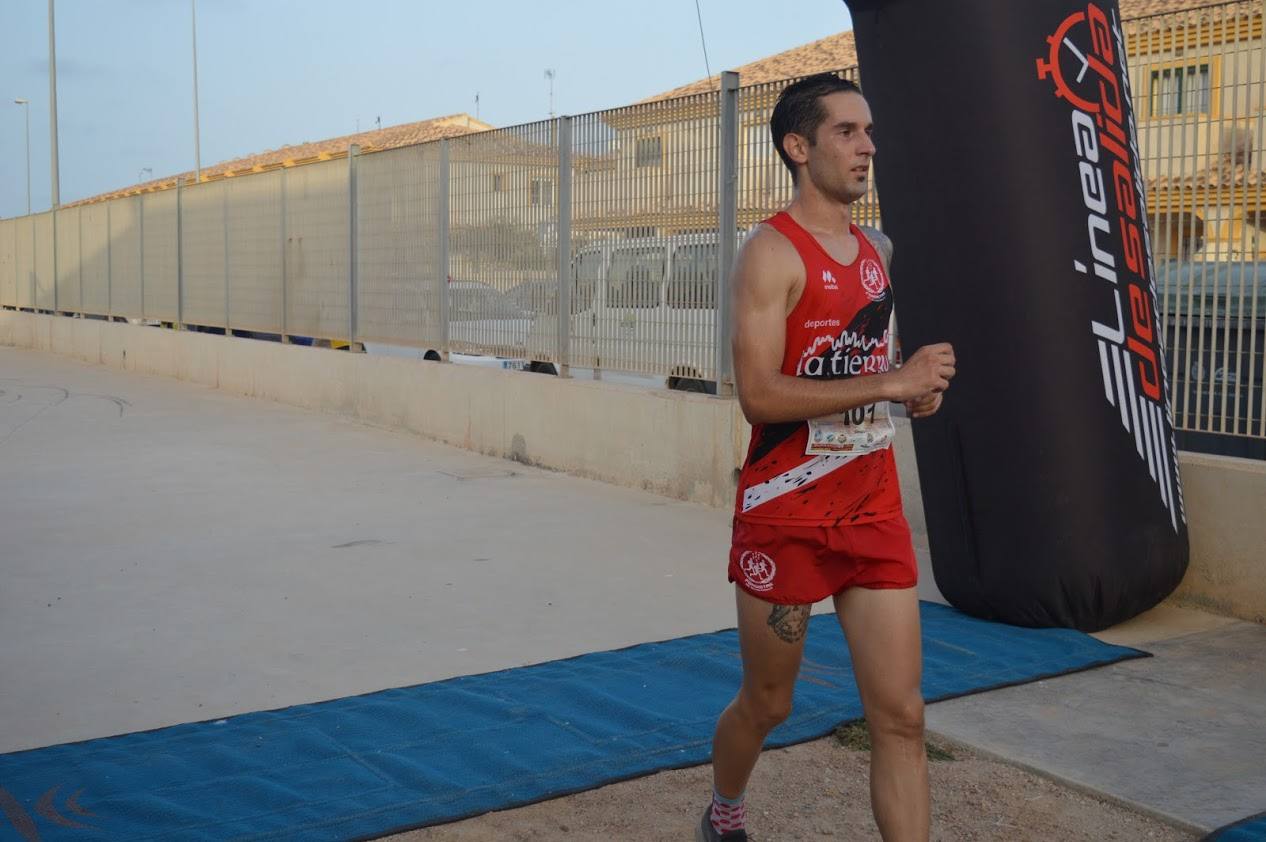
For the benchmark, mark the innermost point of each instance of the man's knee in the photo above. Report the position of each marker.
(765, 707)
(900, 717)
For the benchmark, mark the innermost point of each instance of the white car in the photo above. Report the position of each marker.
(643, 305)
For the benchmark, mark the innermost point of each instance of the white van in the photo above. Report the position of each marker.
(645, 304)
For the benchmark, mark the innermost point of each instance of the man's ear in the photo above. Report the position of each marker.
(796, 146)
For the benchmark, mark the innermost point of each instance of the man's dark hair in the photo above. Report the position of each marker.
(799, 109)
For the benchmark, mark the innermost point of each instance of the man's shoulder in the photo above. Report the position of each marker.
(766, 243)
(880, 240)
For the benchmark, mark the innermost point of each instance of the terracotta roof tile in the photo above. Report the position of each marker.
(391, 137)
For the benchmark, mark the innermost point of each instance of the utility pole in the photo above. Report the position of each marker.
(52, 103)
(197, 134)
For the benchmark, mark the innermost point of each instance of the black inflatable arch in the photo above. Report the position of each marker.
(1010, 182)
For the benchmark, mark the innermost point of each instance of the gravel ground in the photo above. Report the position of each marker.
(818, 791)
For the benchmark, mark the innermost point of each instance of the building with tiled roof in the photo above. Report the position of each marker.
(838, 52)
(1197, 74)
(377, 140)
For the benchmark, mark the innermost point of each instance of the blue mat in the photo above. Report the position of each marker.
(1252, 829)
(368, 765)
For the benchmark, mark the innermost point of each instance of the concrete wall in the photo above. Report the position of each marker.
(1226, 520)
(680, 445)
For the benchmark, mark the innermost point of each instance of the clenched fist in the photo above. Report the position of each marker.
(924, 375)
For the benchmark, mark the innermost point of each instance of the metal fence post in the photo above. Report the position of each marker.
(224, 222)
(79, 265)
(564, 246)
(353, 152)
(180, 256)
(285, 336)
(442, 215)
(727, 229)
(109, 271)
(53, 222)
(35, 250)
(140, 247)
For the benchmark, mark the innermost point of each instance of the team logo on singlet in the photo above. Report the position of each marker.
(872, 279)
(758, 570)
(828, 280)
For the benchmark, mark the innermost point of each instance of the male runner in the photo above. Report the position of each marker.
(818, 512)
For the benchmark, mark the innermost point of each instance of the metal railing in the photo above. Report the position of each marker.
(603, 241)
(1199, 79)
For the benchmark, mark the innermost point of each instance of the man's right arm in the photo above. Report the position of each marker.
(765, 273)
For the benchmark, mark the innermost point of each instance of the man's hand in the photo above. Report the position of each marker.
(927, 373)
(924, 406)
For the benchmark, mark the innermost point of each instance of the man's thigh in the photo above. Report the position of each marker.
(771, 638)
(882, 628)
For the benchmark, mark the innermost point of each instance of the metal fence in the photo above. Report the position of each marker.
(1199, 82)
(603, 241)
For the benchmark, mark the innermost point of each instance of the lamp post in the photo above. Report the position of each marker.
(52, 104)
(26, 108)
(140, 175)
(197, 134)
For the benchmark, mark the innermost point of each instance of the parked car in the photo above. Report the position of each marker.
(644, 305)
(485, 328)
(1215, 334)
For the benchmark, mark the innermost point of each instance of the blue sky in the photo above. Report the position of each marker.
(273, 72)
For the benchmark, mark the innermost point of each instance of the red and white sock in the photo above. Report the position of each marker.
(728, 813)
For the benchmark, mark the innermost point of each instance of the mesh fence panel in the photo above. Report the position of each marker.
(399, 277)
(203, 246)
(317, 250)
(644, 237)
(1197, 79)
(8, 262)
(45, 283)
(24, 261)
(69, 289)
(255, 252)
(503, 242)
(160, 292)
(94, 256)
(125, 257)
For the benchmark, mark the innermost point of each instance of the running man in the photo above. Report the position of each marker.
(818, 512)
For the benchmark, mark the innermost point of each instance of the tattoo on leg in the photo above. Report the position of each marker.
(790, 622)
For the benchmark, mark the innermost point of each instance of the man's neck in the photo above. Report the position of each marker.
(816, 212)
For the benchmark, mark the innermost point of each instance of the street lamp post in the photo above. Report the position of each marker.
(26, 107)
(197, 133)
(52, 103)
(140, 175)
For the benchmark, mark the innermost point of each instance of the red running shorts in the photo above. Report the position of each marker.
(801, 565)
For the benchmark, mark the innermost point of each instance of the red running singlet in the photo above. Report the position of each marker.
(839, 328)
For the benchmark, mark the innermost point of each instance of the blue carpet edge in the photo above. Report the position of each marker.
(1119, 655)
(1233, 826)
(1124, 653)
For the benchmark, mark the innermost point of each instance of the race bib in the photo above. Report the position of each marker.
(864, 429)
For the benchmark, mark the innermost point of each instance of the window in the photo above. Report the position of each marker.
(498, 183)
(1180, 90)
(635, 278)
(650, 151)
(692, 285)
(542, 192)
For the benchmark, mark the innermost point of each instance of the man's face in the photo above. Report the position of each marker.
(838, 161)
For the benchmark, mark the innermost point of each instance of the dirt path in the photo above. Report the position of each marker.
(817, 791)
